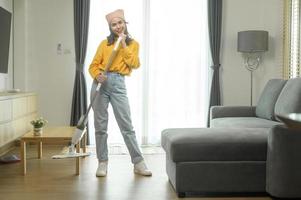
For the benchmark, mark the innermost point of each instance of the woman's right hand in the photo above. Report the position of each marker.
(123, 36)
(101, 78)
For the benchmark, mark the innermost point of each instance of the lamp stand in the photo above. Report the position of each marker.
(251, 64)
(251, 89)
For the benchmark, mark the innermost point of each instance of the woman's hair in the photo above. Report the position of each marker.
(111, 38)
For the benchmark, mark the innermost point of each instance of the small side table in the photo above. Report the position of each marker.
(292, 120)
(283, 174)
(50, 135)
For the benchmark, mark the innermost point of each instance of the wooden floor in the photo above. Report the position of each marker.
(55, 180)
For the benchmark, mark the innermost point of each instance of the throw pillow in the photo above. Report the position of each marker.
(266, 103)
(289, 100)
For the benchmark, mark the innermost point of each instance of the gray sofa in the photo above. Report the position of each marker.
(231, 155)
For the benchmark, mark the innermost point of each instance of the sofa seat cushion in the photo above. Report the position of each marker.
(215, 144)
(243, 122)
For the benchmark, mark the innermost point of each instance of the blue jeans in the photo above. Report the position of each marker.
(113, 91)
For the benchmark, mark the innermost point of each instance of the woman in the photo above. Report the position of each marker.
(113, 90)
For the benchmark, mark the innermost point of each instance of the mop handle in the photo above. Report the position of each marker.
(111, 59)
(108, 65)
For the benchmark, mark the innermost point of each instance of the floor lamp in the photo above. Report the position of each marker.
(252, 43)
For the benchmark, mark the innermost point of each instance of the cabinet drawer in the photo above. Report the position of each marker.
(6, 133)
(6, 111)
(19, 107)
(16, 112)
(32, 104)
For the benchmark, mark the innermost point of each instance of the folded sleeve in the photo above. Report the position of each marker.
(97, 66)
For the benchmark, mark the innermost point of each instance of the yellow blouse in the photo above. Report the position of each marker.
(126, 59)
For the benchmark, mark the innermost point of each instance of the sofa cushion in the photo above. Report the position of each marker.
(266, 103)
(215, 144)
(242, 122)
(289, 100)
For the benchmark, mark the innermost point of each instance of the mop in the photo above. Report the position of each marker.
(82, 123)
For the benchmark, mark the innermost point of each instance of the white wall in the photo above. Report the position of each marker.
(20, 45)
(40, 68)
(239, 15)
(6, 80)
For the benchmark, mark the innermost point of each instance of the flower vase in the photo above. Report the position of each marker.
(37, 131)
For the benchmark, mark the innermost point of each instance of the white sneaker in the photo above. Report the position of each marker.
(141, 169)
(102, 169)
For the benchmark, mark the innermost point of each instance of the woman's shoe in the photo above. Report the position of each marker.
(141, 169)
(102, 169)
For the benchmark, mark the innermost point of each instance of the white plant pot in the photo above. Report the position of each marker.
(37, 131)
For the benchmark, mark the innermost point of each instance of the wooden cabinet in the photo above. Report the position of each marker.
(16, 112)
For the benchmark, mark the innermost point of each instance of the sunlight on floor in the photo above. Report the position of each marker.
(120, 149)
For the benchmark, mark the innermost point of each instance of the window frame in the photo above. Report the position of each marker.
(291, 39)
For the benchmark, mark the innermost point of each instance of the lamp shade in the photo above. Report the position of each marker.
(252, 41)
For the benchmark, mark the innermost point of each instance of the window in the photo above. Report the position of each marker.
(291, 39)
(170, 89)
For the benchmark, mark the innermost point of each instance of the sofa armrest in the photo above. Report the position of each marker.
(283, 162)
(232, 111)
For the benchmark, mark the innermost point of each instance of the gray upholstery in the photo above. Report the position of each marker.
(215, 144)
(232, 111)
(289, 100)
(266, 103)
(217, 176)
(231, 155)
(242, 122)
(216, 160)
(284, 162)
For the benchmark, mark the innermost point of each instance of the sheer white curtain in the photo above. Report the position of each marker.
(170, 89)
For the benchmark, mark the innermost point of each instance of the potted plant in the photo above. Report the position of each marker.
(38, 125)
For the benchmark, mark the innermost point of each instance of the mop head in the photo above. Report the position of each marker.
(71, 155)
(68, 152)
